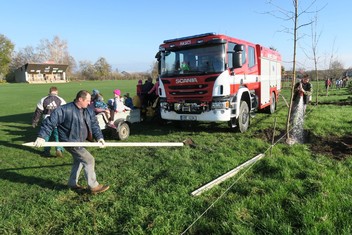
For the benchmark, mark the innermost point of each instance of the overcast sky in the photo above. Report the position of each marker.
(128, 33)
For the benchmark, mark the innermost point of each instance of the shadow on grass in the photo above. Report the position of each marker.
(21, 147)
(23, 133)
(23, 118)
(10, 175)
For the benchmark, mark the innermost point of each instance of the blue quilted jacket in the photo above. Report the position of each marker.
(67, 120)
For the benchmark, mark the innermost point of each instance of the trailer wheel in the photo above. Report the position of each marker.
(243, 117)
(271, 109)
(123, 131)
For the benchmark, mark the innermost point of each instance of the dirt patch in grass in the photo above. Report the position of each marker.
(336, 147)
(338, 103)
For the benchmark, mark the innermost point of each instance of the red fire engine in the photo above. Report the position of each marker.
(212, 77)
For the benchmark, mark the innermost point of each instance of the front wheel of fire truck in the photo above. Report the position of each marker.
(243, 117)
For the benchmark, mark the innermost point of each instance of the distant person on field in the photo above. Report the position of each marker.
(76, 122)
(44, 108)
(327, 83)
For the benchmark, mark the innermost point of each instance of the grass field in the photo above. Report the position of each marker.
(299, 189)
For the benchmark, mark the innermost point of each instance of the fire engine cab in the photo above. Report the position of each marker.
(212, 77)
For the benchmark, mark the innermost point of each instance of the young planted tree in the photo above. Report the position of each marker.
(293, 16)
(315, 58)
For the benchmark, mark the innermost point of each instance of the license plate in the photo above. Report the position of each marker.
(188, 118)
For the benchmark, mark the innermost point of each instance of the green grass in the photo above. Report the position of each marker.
(293, 191)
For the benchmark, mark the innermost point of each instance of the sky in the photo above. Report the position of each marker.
(128, 33)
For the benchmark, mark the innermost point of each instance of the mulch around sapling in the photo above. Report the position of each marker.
(335, 147)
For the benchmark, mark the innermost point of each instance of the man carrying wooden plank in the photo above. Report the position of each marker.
(76, 123)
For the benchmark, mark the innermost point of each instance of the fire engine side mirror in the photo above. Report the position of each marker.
(237, 56)
(158, 58)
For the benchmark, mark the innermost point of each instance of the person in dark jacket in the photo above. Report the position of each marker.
(303, 88)
(44, 108)
(76, 123)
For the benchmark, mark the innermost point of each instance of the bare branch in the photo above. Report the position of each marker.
(303, 25)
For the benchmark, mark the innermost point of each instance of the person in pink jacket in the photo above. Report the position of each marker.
(116, 105)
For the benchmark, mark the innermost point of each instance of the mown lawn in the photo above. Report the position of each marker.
(299, 189)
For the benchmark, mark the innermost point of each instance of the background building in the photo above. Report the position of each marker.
(41, 73)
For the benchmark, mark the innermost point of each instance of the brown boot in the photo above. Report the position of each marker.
(99, 189)
(77, 187)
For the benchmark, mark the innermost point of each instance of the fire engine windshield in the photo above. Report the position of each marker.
(193, 60)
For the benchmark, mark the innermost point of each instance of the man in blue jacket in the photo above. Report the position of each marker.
(76, 122)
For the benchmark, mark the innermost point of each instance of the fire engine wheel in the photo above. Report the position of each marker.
(272, 107)
(243, 117)
(123, 131)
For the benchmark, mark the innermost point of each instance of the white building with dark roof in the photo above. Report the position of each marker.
(41, 73)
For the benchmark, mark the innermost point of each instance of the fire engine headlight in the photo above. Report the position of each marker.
(164, 105)
(177, 106)
(220, 105)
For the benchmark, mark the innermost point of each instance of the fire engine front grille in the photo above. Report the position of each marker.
(178, 93)
(188, 90)
(198, 86)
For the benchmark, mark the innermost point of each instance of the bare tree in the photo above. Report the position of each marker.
(315, 40)
(336, 69)
(154, 70)
(293, 16)
(24, 56)
(55, 50)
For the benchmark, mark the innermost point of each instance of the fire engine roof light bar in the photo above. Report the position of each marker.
(189, 37)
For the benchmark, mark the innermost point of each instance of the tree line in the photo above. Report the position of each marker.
(56, 51)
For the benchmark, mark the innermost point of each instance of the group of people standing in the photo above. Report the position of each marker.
(148, 92)
(339, 83)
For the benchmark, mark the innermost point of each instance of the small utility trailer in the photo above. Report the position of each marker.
(122, 122)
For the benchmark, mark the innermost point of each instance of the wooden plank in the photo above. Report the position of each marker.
(113, 144)
(226, 175)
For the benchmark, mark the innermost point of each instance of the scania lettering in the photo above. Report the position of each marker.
(186, 80)
(217, 78)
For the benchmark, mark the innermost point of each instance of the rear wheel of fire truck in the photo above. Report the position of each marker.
(242, 122)
(271, 109)
(123, 131)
